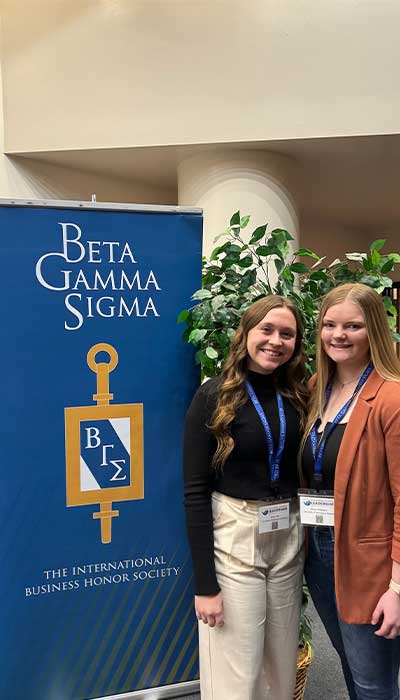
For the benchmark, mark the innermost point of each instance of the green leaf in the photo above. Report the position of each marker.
(257, 234)
(367, 264)
(306, 253)
(375, 257)
(215, 253)
(299, 267)
(224, 246)
(335, 262)
(230, 260)
(311, 286)
(395, 257)
(281, 232)
(283, 249)
(185, 335)
(246, 261)
(287, 275)
(210, 279)
(233, 276)
(221, 316)
(389, 306)
(199, 313)
(319, 275)
(199, 357)
(211, 353)
(228, 285)
(264, 250)
(322, 259)
(392, 323)
(233, 248)
(378, 282)
(215, 269)
(244, 221)
(309, 304)
(217, 302)
(378, 244)
(235, 219)
(197, 335)
(244, 285)
(373, 281)
(386, 282)
(356, 257)
(387, 266)
(183, 316)
(396, 337)
(202, 294)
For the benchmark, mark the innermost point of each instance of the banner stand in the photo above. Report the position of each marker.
(96, 584)
(177, 690)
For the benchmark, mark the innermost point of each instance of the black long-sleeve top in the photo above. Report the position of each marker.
(245, 474)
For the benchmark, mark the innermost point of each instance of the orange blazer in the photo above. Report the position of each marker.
(367, 500)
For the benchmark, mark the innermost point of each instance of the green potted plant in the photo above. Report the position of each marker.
(241, 270)
(306, 649)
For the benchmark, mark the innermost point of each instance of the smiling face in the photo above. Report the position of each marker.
(271, 342)
(344, 335)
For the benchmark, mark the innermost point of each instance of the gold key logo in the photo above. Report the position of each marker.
(104, 447)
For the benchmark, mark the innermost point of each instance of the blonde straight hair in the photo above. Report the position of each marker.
(382, 350)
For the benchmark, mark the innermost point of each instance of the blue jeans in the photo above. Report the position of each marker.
(370, 664)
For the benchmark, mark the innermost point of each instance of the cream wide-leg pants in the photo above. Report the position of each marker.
(253, 655)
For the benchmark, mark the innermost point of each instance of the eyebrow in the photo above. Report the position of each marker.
(353, 320)
(286, 329)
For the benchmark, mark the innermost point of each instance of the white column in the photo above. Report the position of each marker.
(259, 183)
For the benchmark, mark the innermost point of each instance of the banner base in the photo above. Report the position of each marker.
(177, 690)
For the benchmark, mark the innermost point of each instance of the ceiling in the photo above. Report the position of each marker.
(349, 180)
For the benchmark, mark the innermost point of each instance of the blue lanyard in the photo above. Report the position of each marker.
(274, 458)
(318, 451)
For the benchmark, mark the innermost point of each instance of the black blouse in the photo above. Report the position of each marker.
(245, 473)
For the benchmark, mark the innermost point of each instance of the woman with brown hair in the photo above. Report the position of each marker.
(352, 450)
(242, 435)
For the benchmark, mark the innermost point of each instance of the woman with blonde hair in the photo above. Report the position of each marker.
(352, 449)
(242, 435)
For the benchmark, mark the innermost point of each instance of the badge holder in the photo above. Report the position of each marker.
(316, 507)
(274, 515)
(104, 447)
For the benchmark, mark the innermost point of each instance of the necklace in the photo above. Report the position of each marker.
(351, 381)
(342, 384)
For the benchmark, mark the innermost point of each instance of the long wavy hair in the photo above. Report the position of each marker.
(382, 350)
(289, 378)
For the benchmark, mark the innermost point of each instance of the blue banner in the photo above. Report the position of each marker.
(96, 576)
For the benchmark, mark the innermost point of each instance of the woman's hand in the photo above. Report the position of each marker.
(388, 612)
(210, 609)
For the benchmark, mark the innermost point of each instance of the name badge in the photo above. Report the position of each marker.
(316, 508)
(273, 516)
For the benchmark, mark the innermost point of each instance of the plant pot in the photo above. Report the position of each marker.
(304, 658)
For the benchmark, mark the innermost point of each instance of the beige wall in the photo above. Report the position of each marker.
(335, 240)
(99, 74)
(23, 178)
(117, 73)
